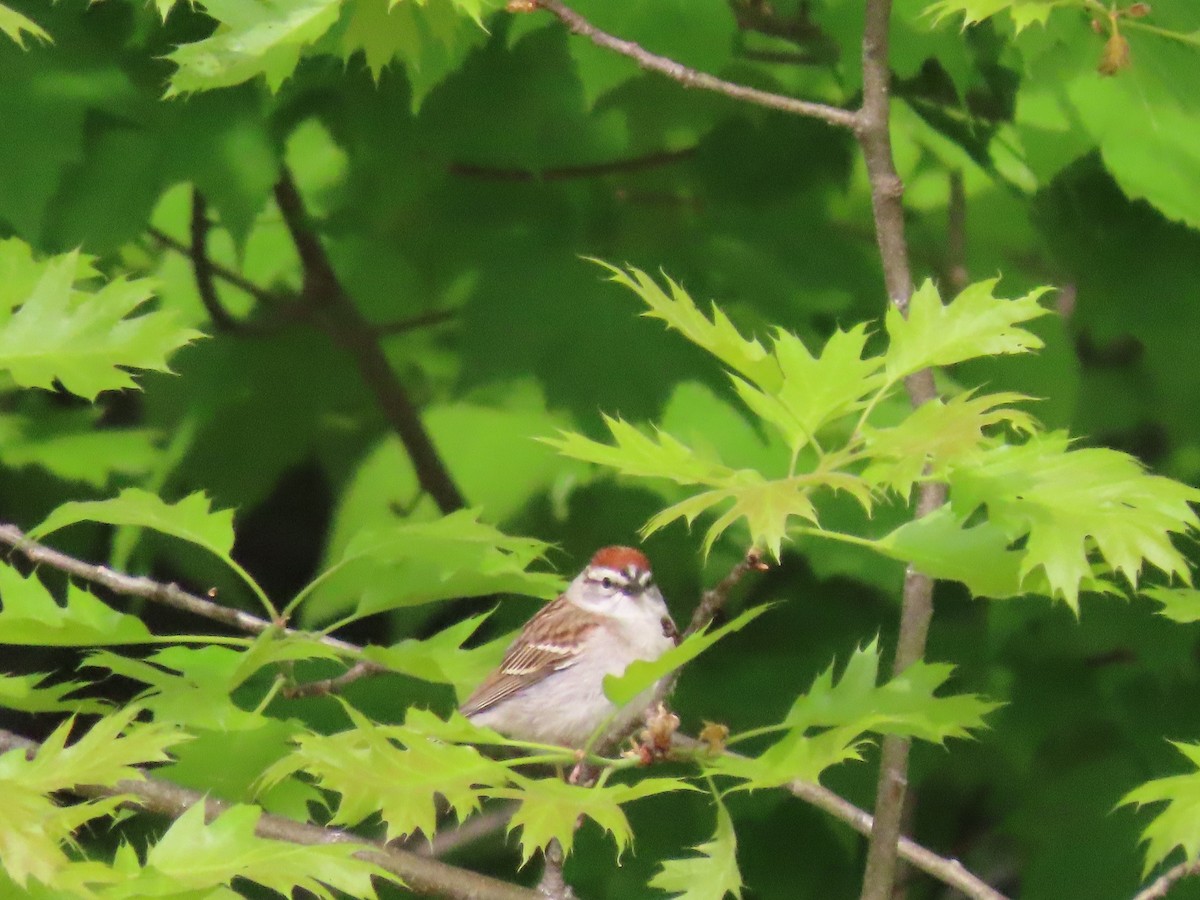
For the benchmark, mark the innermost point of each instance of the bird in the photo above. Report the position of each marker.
(549, 687)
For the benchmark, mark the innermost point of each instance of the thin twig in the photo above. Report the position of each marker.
(689, 77)
(421, 874)
(333, 685)
(916, 610)
(946, 870)
(412, 323)
(261, 294)
(343, 322)
(716, 596)
(1158, 888)
(156, 591)
(566, 173)
(202, 268)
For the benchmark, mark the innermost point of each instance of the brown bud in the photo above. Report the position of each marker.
(1138, 10)
(661, 726)
(521, 6)
(1098, 26)
(714, 734)
(1115, 55)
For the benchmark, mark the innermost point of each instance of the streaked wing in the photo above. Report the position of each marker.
(549, 643)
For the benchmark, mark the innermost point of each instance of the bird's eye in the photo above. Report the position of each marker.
(606, 583)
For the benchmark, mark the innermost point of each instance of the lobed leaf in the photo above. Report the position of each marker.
(56, 333)
(35, 693)
(16, 26)
(851, 706)
(1178, 604)
(712, 875)
(190, 519)
(975, 323)
(411, 563)
(550, 809)
(717, 335)
(1068, 503)
(396, 771)
(1022, 12)
(1177, 825)
(30, 616)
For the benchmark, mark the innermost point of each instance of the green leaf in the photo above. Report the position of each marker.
(193, 856)
(941, 545)
(1023, 12)
(1069, 504)
(30, 616)
(431, 37)
(191, 519)
(975, 323)
(819, 390)
(716, 335)
(81, 339)
(396, 771)
(550, 809)
(253, 37)
(642, 456)
(849, 707)
(1178, 604)
(936, 435)
(70, 445)
(16, 26)
(642, 674)
(441, 657)
(1177, 824)
(35, 693)
(422, 562)
(187, 686)
(712, 875)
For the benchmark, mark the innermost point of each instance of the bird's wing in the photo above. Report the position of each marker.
(550, 643)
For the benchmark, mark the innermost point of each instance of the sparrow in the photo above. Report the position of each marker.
(549, 688)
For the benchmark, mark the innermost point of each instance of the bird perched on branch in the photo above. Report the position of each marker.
(549, 687)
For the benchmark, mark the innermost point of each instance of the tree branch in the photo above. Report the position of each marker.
(1158, 888)
(261, 294)
(715, 597)
(157, 592)
(565, 173)
(689, 77)
(342, 321)
(916, 610)
(552, 884)
(202, 268)
(421, 874)
(948, 871)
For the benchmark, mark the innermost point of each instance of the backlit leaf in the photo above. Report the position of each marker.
(712, 875)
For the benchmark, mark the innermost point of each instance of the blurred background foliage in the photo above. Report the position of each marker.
(457, 171)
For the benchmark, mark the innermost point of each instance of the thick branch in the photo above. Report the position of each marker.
(689, 77)
(342, 320)
(917, 600)
(421, 874)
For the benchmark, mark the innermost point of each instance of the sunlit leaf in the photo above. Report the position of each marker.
(1177, 825)
(712, 875)
(84, 340)
(975, 323)
(30, 615)
(16, 26)
(36, 693)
